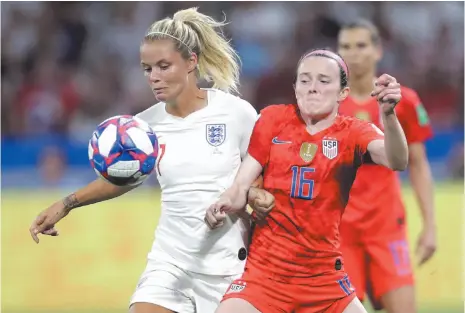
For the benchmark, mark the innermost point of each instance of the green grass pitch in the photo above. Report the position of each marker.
(94, 264)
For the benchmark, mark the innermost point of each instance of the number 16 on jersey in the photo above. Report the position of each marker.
(301, 187)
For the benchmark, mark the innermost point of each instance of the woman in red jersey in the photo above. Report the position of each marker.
(309, 156)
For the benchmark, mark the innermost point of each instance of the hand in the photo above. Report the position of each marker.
(216, 214)
(46, 220)
(387, 92)
(426, 245)
(261, 201)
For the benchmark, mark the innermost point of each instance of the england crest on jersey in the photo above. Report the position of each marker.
(216, 134)
(330, 148)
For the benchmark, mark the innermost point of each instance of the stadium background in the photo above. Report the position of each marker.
(68, 66)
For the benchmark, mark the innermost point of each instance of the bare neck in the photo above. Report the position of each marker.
(318, 124)
(190, 100)
(361, 87)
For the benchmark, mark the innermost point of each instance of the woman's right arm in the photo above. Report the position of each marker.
(97, 191)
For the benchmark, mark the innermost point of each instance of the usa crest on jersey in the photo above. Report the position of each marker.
(330, 148)
(216, 134)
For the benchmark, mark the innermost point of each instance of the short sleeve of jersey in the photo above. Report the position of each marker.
(247, 118)
(413, 117)
(363, 133)
(262, 136)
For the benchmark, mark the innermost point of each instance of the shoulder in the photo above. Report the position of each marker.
(409, 97)
(409, 105)
(279, 112)
(233, 103)
(153, 114)
(351, 122)
(357, 125)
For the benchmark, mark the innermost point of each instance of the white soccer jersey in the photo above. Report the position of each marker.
(198, 158)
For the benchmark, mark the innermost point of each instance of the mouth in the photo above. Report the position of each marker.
(313, 99)
(158, 89)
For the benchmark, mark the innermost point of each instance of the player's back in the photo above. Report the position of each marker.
(310, 177)
(198, 159)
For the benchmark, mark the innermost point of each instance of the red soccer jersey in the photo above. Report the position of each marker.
(376, 191)
(310, 177)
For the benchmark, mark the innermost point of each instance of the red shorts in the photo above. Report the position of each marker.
(376, 262)
(329, 293)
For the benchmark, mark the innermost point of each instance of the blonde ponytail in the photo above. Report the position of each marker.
(194, 32)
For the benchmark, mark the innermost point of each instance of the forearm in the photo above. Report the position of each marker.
(422, 184)
(395, 143)
(247, 176)
(96, 191)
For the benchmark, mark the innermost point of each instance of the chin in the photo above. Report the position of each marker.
(312, 111)
(316, 114)
(160, 97)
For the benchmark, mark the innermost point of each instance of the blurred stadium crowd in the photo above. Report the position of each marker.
(68, 66)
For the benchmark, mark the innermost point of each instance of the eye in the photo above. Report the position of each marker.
(147, 69)
(304, 81)
(325, 81)
(164, 67)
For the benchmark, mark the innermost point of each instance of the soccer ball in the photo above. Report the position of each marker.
(123, 150)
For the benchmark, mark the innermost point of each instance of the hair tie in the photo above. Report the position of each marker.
(331, 55)
(168, 35)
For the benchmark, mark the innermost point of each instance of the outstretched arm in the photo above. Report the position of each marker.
(97, 191)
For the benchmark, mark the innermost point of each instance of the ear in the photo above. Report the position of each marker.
(192, 62)
(343, 94)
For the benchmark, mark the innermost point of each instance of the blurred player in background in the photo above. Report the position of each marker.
(373, 229)
(203, 135)
(309, 156)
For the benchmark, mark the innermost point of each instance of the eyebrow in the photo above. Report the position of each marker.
(308, 75)
(161, 61)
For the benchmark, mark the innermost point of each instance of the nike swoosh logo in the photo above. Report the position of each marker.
(280, 142)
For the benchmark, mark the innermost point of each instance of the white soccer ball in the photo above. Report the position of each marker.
(123, 150)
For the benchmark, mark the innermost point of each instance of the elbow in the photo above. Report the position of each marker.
(399, 168)
(399, 164)
(398, 157)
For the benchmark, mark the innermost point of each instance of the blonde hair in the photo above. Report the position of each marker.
(194, 32)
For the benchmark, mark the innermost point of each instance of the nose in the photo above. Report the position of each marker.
(352, 55)
(154, 77)
(312, 87)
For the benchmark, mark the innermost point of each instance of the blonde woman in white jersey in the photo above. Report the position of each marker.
(203, 135)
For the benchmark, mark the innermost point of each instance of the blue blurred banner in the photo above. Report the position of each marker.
(51, 161)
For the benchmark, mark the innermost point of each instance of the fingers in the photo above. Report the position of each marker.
(260, 216)
(42, 226)
(263, 206)
(390, 96)
(425, 253)
(382, 88)
(390, 93)
(264, 203)
(33, 232)
(50, 232)
(385, 79)
(214, 218)
(35, 227)
(253, 194)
